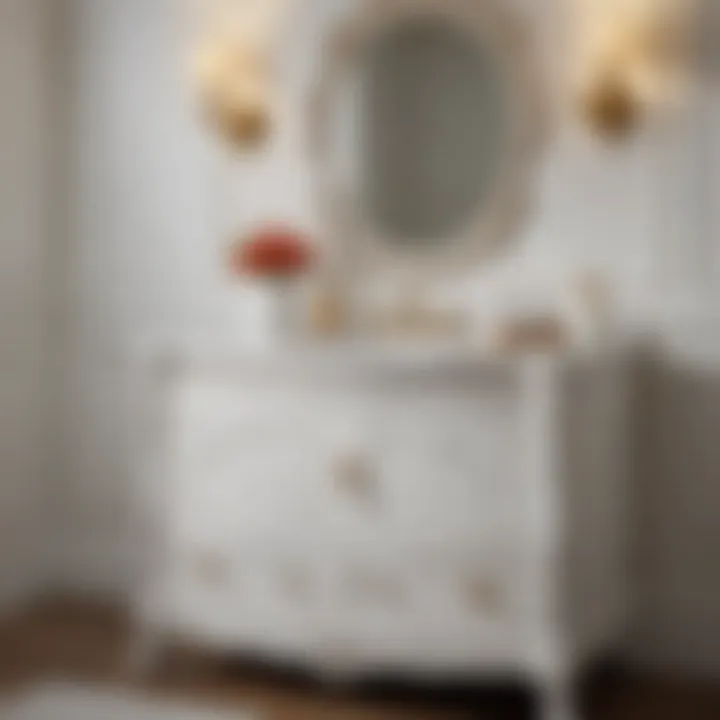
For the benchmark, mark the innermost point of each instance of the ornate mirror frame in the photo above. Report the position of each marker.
(356, 242)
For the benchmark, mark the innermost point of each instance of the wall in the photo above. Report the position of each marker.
(24, 164)
(679, 393)
(142, 262)
(678, 464)
(153, 203)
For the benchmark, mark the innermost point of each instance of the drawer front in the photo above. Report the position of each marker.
(364, 468)
(356, 610)
(417, 610)
(258, 464)
(449, 468)
(248, 600)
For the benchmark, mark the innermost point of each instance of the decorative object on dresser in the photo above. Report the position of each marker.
(532, 333)
(329, 310)
(271, 262)
(412, 317)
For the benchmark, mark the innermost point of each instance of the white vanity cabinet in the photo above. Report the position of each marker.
(368, 512)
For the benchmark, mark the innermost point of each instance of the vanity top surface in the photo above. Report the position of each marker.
(362, 355)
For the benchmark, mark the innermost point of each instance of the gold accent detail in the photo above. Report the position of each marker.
(610, 107)
(296, 582)
(531, 334)
(213, 568)
(376, 588)
(234, 79)
(354, 476)
(329, 314)
(485, 597)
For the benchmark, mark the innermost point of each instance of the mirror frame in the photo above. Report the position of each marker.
(356, 243)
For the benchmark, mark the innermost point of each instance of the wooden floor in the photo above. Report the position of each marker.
(69, 642)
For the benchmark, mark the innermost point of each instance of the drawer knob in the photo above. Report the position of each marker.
(485, 597)
(368, 587)
(296, 583)
(214, 569)
(354, 476)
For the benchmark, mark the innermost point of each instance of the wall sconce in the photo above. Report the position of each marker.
(634, 56)
(232, 66)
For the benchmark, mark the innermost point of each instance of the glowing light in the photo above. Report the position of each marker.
(232, 67)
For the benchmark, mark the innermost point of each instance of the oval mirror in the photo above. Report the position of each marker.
(428, 122)
(433, 116)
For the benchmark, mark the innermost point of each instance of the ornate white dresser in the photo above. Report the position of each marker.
(415, 512)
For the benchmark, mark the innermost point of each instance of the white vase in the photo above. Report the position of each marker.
(270, 314)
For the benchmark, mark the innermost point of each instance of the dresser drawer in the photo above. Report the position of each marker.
(449, 467)
(361, 468)
(358, 610)
(248, 599)
(253, 464)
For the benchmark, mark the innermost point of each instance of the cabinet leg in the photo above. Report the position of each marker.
(338, 679)
(144, 654)
(557, 700)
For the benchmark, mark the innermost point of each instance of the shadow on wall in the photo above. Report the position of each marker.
(677, 502)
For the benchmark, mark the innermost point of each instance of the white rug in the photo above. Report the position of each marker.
(63, 702)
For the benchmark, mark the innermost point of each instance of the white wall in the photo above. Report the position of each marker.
(141, 256)
(24, 167)
(153, 206)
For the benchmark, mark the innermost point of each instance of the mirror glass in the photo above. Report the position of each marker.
(430, 113)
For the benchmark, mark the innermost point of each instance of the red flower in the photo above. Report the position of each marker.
(272, 252)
